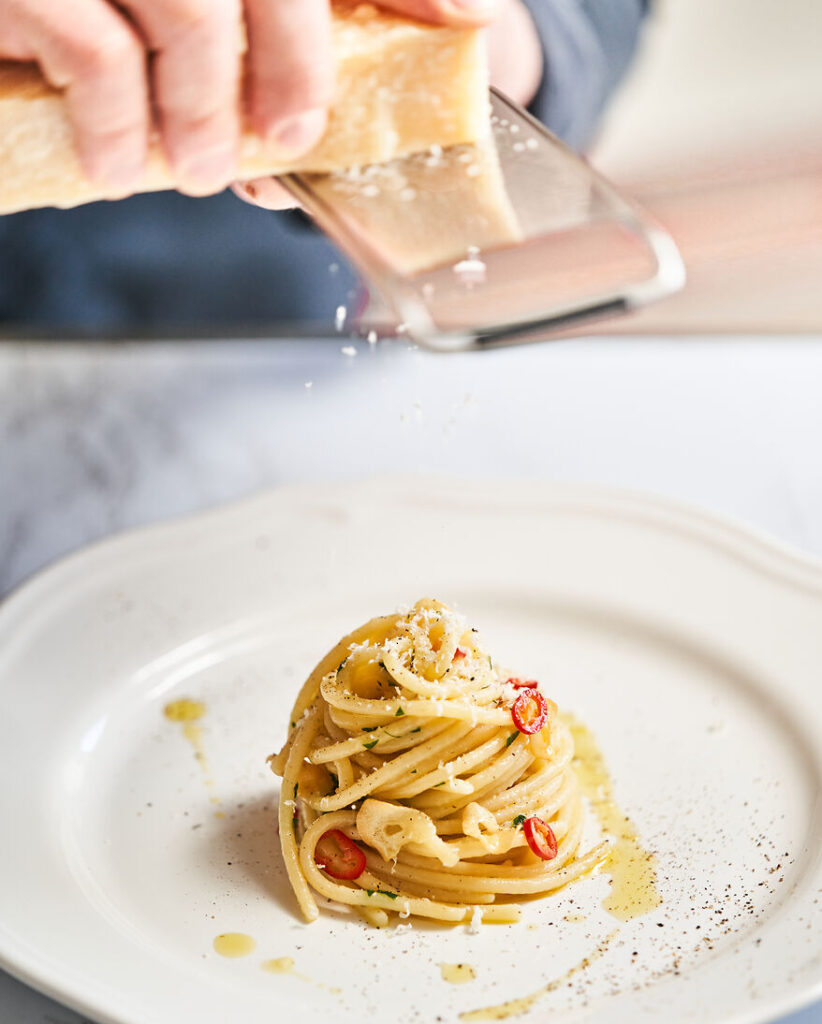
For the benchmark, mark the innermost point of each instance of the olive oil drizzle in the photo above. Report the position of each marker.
(187, 713)
(632, 868)
(515, 1007)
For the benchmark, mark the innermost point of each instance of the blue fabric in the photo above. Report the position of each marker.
(587, 46)
(164, 261)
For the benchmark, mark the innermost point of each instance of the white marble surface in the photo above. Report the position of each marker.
(97, 439)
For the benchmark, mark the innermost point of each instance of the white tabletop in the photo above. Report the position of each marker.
(97, 439)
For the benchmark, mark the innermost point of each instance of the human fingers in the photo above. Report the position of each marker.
(196, 76)
(459, 13)
(515, 60)
(13, 43)
(90, 51)
(265, 192)
(290, 70)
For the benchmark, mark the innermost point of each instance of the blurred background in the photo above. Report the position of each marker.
(718, 130)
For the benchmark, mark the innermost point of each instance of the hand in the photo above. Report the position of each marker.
(118, 61)
(514, 55)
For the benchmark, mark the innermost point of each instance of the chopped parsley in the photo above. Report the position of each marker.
(440, 783)
(369, 728)
(373, 743)
(382, 892)
(341, 664)
(295, 816)
(398, 712)
(417, 729)
(520, 818)
(511, 738)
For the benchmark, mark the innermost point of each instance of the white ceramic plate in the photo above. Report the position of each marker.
(691, 647)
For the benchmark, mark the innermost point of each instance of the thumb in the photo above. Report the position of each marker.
(459, 13)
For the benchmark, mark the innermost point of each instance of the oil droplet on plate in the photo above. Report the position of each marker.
(184, 710)
(234, 944)
(457, 974)
(280, 965)
(285, 965)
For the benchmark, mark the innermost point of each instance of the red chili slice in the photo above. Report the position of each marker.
(530, 712)
(520, 684)
(540, 837)
(338, 855)
(460, 652)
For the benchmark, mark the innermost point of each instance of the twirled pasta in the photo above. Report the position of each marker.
(411, 783)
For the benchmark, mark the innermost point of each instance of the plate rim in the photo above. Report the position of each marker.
(752, 542)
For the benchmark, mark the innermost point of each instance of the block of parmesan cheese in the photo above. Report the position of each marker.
(424, 211)
(401, 86)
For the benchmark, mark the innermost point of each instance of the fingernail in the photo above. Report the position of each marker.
(212, 166)
(265, 192)
(301, 132)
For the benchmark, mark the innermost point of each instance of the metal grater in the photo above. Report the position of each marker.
(495, 243)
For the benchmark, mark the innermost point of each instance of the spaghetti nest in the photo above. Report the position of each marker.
(420, 778)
